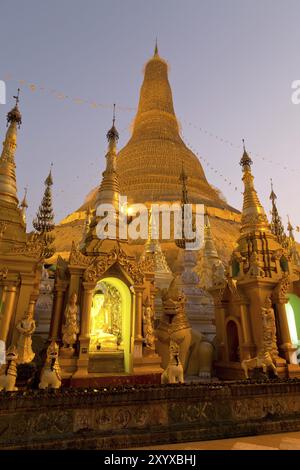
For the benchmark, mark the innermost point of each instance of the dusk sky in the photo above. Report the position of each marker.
(232, 63)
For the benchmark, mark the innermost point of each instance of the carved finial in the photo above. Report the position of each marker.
(114, 114)
(113, 135)
(14, 115)
(49, 180)
(272, 195)
(276, 224)
(245, 161)
(156, 47)
(17, 97)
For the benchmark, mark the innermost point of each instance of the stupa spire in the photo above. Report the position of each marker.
(253, 214)
(276, 224)
(109, 189)
(290, 229)
(152, 251)
(44, 221)
(209, 245)
(8, 185)
(108, 194)
(24, 206)
(291, 244)
(150, 162)
(156, 97)
(156, 48)
(210, 259)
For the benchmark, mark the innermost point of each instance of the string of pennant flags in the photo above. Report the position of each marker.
(238, 146)
(59, 95)
(207, 162)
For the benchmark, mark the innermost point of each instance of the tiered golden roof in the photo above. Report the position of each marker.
(150, 163)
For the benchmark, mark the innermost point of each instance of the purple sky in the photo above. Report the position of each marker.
(232, 63)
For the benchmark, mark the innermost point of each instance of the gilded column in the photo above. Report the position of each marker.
(138, 337)
(248, 345)
(2, 297)
(86, 309)
(84, 338)
(139, 313)
(7, 311)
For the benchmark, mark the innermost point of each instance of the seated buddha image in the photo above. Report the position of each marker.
(103, 334)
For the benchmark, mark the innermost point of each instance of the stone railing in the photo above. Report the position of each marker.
(122, 417)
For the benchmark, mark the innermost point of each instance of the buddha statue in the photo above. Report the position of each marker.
(101, 334)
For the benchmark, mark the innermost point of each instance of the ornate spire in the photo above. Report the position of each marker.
(290, 229)
(156, 48)
(210, 260)
(291, 243)
(8, 187)
(209, 244)
(276, 224)
(44, 221)
(109, 189)
(14, 115)
(152, 252)
(113, 135)
(24, 205)
(108, 193)
(253, 214)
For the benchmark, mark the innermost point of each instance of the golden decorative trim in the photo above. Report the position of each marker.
(77, 258)
(102, 263)
(280, 291)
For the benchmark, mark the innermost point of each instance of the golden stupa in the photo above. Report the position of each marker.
(151, 162)
(149, 165)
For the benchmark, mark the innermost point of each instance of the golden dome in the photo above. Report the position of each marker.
(150, 164)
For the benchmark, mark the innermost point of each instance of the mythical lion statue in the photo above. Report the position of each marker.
(50, 375)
